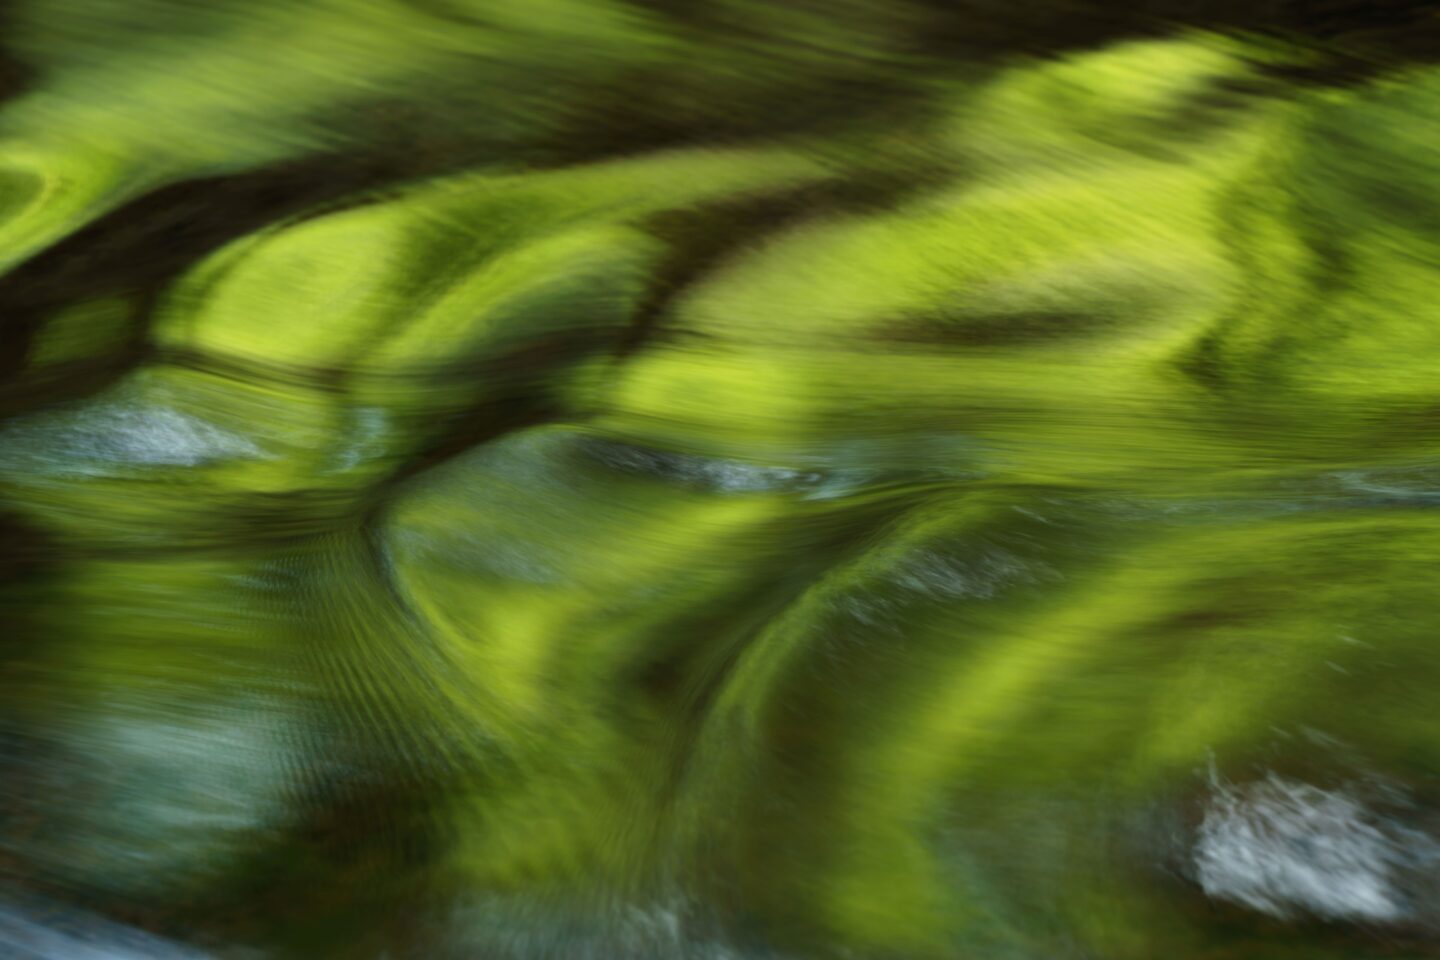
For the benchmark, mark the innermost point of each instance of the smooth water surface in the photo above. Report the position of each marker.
(600, 480)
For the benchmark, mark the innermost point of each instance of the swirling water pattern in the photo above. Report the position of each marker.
(572, 479)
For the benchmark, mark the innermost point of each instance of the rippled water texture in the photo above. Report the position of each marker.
(719, 480)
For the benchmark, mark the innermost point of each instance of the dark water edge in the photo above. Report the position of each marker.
(641, 480)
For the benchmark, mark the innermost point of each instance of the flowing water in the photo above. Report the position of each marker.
(632, 480)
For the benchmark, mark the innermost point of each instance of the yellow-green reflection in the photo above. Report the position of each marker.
(745, 482)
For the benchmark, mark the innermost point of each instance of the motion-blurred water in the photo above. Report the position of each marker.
(635, 480)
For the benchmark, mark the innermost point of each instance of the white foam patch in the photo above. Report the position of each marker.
(365, 439)
(94, 438)
(1283, 847)
(155, 803)
(42, 932)
(711, 474)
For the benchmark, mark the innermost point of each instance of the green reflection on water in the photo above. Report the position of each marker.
(996, 525)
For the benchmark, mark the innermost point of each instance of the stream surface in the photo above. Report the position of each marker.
(600, 480)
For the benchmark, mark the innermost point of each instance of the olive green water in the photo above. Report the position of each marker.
(589, 480)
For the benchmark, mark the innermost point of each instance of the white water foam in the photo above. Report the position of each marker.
(1283, 847)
